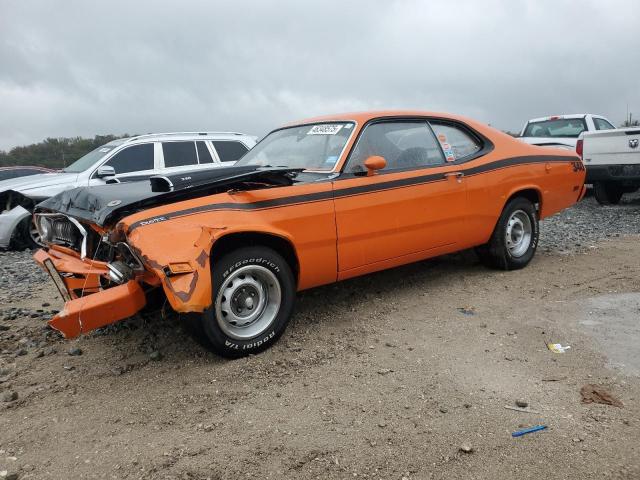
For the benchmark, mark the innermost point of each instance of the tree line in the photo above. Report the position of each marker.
(54, 152)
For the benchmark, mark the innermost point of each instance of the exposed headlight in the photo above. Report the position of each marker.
(44, 225)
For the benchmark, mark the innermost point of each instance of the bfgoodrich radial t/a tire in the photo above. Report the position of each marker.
(515, 238)
(252, 301)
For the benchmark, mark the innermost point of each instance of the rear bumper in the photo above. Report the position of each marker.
(9, 221)
(87, 306)
(613, 173)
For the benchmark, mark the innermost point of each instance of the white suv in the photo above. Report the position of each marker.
(123, 160)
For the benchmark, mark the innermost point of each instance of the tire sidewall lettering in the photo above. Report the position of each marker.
(252, 261)
(261, 341)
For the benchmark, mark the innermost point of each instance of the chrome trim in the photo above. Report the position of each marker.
(78, 225)
(83, 232)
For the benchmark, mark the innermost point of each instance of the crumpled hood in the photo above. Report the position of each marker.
(94, 204)
(105, 204)
(40, 185)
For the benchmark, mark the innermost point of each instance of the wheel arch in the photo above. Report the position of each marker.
(531, 193)
(278, 242)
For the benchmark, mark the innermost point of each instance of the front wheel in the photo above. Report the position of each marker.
(253, 292)
(26, 235)
(607, 193)
(515, 237)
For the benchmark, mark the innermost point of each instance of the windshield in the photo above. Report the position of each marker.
(88, 160)
(561, 127)
(312, 147)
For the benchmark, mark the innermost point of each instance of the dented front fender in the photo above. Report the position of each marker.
(179, 256)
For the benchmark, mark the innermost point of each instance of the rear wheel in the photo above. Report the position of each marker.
(253, 292)
(515, 237)
(607, 193)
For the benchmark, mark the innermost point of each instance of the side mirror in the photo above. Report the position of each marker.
(374, 163)
(105, 171)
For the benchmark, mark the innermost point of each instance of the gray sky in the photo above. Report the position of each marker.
(78, 67)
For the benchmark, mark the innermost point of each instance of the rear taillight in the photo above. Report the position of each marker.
(579, 147)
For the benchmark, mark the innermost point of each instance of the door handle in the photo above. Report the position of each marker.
(457, 175)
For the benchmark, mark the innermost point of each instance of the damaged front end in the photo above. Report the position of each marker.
(100, 281)
(106, 261)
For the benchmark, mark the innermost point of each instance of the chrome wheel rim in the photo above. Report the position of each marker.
(34, 233)
(518, 234)
(248, 302)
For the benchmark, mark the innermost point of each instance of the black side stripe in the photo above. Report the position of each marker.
(351, 191)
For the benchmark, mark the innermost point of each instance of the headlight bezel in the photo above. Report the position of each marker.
(47, 234)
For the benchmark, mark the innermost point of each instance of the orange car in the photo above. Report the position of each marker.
(314, 202)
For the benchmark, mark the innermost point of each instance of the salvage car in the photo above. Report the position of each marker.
(18, 171)
(314, 202)
(562, 131)
(122, 160)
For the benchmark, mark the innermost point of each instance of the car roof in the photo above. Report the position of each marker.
(175, 136)
(563, 117)
(363, 117)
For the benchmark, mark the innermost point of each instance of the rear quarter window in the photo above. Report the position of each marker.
(456, 143)
(229, 151)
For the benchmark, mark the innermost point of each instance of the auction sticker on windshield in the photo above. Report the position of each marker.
(326, 129)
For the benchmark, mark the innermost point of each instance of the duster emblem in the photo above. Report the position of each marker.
(633, 143)
(114, 203)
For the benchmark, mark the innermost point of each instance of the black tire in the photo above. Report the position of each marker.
(607, 193)
(264, 260)
(496, 253)
(22, 238)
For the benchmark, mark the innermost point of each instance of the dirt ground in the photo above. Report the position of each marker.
(383, 377)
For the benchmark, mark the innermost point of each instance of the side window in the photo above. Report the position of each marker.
(203, 153)
(402, 144)
(230, 151)
(602, 124)
(455, 142)
(178, 154)
(133, 159)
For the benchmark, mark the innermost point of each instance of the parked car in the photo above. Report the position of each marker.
(312, 203)
(122, 160)
(7, 173)
(562, 131)
(612, 160)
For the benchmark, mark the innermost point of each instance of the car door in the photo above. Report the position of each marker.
(416, 204)
(134, 162)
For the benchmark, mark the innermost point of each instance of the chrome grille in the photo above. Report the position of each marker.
(64, 231)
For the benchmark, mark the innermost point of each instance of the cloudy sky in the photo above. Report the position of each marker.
(78, 67)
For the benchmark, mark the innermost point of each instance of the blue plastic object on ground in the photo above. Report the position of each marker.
(537, 428)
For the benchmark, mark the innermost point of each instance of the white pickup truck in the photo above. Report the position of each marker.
(562, 131)
(612, 160)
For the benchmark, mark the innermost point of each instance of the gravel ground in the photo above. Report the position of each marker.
(581, 226)
(18, 276)
(400, 374)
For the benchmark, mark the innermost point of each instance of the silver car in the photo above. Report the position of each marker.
(122, 160)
